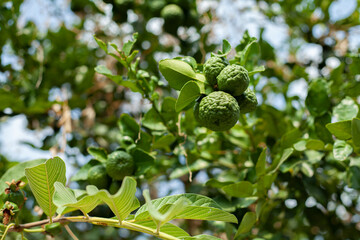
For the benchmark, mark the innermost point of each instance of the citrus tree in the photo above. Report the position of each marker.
(250, 159)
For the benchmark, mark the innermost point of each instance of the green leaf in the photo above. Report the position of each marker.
(252, 45)
(98, 153)
(153, 121)
(189, 92)
(195, 166)
(200, 237)
(128, 126)
(247, 223)
(341, 150)
(123, 202)
(82, 173)
(65, 199)
(346, 109)
(317, 100)
(41, 180)
(101, 44)
(277, 163)
(143, 161)
(17, 172)
(257, 69)
(165, 216)
(164, 141)
(261, 163)
(353, 177)
(226, 47)
(118, 79)
(200, 207)
(315, 144)
(167, 228)
(176, 72)
(129, 44)
(341, 130)
(240, 189)
(355, 131)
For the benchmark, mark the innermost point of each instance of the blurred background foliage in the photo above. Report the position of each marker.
(311, 53)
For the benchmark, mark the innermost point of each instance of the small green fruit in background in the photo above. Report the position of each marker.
(212, 68)
(219, 111)
(114, 187)
(173, 17)
(119, 165)
(53, 228)
(233, 79)
(14, 194)
(247, 101)
(97, 176)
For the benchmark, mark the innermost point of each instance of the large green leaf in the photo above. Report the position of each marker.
(317, 100)
(277, 163)
(341, 130)
(41, 180)
(189, 92)
(261, 163)
(123, 202)
(167, 228)
(200, 207)
(66, 201)
(153, 121)
(167, 214)
(240, 189)
(346, 109)
(143, 161)
(200, 237)
(355, 131)
(247, 223)
(176, 72)
(341, 150)
(128, 126)
(17, 172)
(99, 154)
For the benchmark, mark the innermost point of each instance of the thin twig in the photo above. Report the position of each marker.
(70, 232)
(6, 230)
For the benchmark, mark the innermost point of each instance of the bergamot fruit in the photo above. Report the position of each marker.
(119, 165)
(247, 101)
(219, 111)
(233, 79)
(173, 18)
(212, 68)
(97, 176)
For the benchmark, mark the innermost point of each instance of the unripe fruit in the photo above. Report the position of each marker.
(212, 68)
(247, 101)
(218, 111)
(97, 176)
(233, 79)
(119, 165)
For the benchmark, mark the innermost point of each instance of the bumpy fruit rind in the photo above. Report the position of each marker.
(233, 79)
(119, 165)
(247, 101)
(212, 68)
(97, 176)
(219, 111)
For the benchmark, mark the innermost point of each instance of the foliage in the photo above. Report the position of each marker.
(287, 170)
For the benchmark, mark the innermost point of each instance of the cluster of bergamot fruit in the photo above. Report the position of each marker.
(118, 165)
(220, 110)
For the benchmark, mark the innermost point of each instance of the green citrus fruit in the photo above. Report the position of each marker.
(233, 79)
(219, 111)
(97, 176)
(119, 165)
(114, 187)
(173, 17)
(247, 101)
(212, 68)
